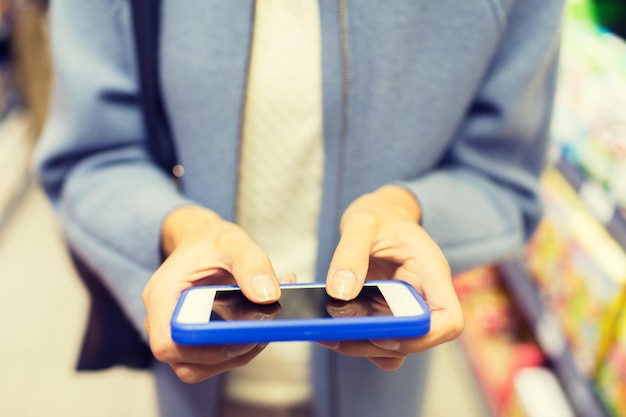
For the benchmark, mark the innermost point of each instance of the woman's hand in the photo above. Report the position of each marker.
(203, 249)
(381, 239)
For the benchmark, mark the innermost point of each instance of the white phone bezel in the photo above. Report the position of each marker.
(400, 300)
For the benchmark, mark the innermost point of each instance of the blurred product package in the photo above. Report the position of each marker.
(580, 270)
(496, 339)
(610, 380)
(537, 393)
(589, 124)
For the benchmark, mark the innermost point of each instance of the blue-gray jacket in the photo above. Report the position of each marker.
(450, 97)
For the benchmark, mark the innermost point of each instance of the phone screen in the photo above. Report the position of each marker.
(299, 303)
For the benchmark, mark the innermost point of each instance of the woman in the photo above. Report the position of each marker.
(339, 141)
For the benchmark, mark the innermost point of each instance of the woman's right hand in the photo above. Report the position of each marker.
(203, 249)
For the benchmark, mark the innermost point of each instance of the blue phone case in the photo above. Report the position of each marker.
(310, 329)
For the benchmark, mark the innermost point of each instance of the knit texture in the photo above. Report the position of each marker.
(280, 178)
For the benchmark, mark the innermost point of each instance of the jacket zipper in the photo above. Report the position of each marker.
(236, 185)
(345, 104)
(345, 66)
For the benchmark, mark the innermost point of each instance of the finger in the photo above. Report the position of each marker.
(387, 344)
(159, 301)
(290, 278)
(445, 325)
(349, 264)
(446, 319)
(361, 349)
(332, 344)
(250, 266)
(388, 364)
(199, 355)
(192, 372)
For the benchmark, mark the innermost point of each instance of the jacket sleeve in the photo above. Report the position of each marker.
(91, 159)
(483, 202)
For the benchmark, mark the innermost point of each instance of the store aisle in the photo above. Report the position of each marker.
(43, 308)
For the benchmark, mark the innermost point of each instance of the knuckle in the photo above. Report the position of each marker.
(230, 234)
(457, 324)
(242, 360)
(460, 326)
(232, 239)
(359, 218)
(145, 294)
(161, 351)
(245, 358)
(258, 258)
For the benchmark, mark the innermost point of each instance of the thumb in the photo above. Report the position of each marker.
(350, 262)
(251, 268)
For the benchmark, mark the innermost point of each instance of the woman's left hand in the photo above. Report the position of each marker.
(381, 238)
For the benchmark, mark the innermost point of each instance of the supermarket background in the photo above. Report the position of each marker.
(545, 334)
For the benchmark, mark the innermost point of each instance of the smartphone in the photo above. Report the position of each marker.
(223, 315)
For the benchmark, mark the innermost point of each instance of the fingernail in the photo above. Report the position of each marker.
(232, 351)
(290, 278)
(387, 344)
(264, 287)
(332, 345)
(343, 284)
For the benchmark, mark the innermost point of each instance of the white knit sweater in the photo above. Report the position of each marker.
(280, 178)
